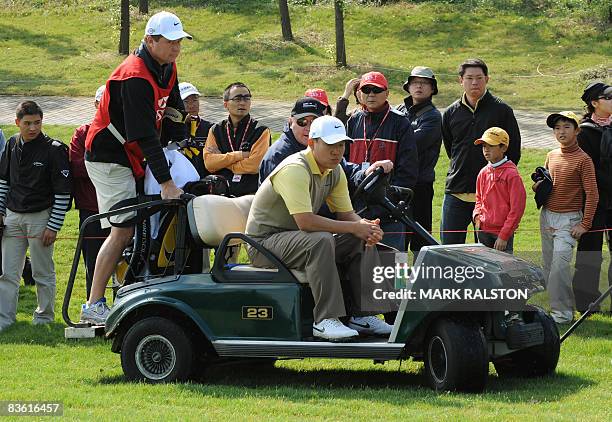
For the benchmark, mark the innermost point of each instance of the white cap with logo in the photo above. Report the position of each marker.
(186, 89)
(329, 129)
(100, 92)
(167, 25)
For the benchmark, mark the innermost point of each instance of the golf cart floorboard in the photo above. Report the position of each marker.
(379, 349)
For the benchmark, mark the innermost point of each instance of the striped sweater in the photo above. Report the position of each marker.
(574, 183)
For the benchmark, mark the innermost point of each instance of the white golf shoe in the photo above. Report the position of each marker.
(333, 329)
(370, 325)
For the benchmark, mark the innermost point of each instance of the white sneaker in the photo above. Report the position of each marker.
(95, 313)
(370, 325)
(333, 329)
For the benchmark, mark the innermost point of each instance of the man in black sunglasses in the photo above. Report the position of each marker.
(295, 137)
(235, 146)
(380, 132)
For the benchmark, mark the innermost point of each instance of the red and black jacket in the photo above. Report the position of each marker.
(385, 135)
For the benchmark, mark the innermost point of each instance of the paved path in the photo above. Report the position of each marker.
(79, 110)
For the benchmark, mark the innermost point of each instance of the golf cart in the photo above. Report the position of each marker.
(171, 325)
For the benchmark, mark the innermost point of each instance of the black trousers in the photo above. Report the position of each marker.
(94, 237)
(421, 213)
(585, 283)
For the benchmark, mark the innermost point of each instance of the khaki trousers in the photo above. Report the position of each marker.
(557, 250)
(320, 255)
(23, 230)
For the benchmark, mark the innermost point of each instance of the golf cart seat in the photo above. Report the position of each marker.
(212, 217)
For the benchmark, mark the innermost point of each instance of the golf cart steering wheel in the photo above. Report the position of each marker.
(373, 188)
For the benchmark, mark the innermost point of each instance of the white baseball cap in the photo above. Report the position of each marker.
(187, 89)
(100, 92)
(167, 25)
(330, 129)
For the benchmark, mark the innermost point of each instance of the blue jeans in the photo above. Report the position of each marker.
(456, 215)
(488, 239)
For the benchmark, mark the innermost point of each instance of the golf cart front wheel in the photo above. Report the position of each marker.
(536, 361)
(456, 356)
(156, 350)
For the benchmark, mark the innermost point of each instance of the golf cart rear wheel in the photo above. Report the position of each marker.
(456, 356)
(156, 350)
(536, 361)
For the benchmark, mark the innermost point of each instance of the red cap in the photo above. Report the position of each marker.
(374, 78)
(318, 94)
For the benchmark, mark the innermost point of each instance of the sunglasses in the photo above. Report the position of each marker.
(368, 89)
(605, 97)
(304, 121)
(245, 98)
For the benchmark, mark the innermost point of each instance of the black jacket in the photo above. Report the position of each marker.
(461, 127)
(426, 122)
(596, 141)
(35, 171)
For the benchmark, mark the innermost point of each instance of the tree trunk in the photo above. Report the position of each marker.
(143, 7)
(340, 47)
(285, 20)
(124, 37)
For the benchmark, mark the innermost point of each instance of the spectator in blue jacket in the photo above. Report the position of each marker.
(426, 123)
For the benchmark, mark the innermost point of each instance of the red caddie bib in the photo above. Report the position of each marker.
(131, 67)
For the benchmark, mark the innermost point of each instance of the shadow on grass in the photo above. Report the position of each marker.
(24, 83)
(58, 46)
(241, 7)
(300, 385)
(596, 326)
(24, 332)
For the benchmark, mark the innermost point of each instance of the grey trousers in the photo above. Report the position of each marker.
(23, 230)
(320, 255)
(557, 250)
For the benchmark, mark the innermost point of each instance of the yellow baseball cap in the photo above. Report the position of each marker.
(552, 119)
(494, 136)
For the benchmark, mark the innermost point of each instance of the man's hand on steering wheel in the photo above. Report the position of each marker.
(373, 187)
(387, 166)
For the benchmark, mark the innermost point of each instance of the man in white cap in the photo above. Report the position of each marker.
(196, 126)
(140, 92)
(283, 218)
(84, 195)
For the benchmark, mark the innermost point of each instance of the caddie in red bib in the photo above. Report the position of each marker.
(127, 130)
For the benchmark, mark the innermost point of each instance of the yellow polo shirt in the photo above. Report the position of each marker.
(292, 183)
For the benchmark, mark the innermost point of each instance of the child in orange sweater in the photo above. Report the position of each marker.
(562, 221)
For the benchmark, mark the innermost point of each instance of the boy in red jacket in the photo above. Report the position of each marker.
(500, 193)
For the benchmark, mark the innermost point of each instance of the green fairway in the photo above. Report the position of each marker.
(539, 59)
(541, 53)
(37, 363)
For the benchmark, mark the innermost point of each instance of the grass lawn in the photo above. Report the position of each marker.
(537, 60)
(37, 363)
